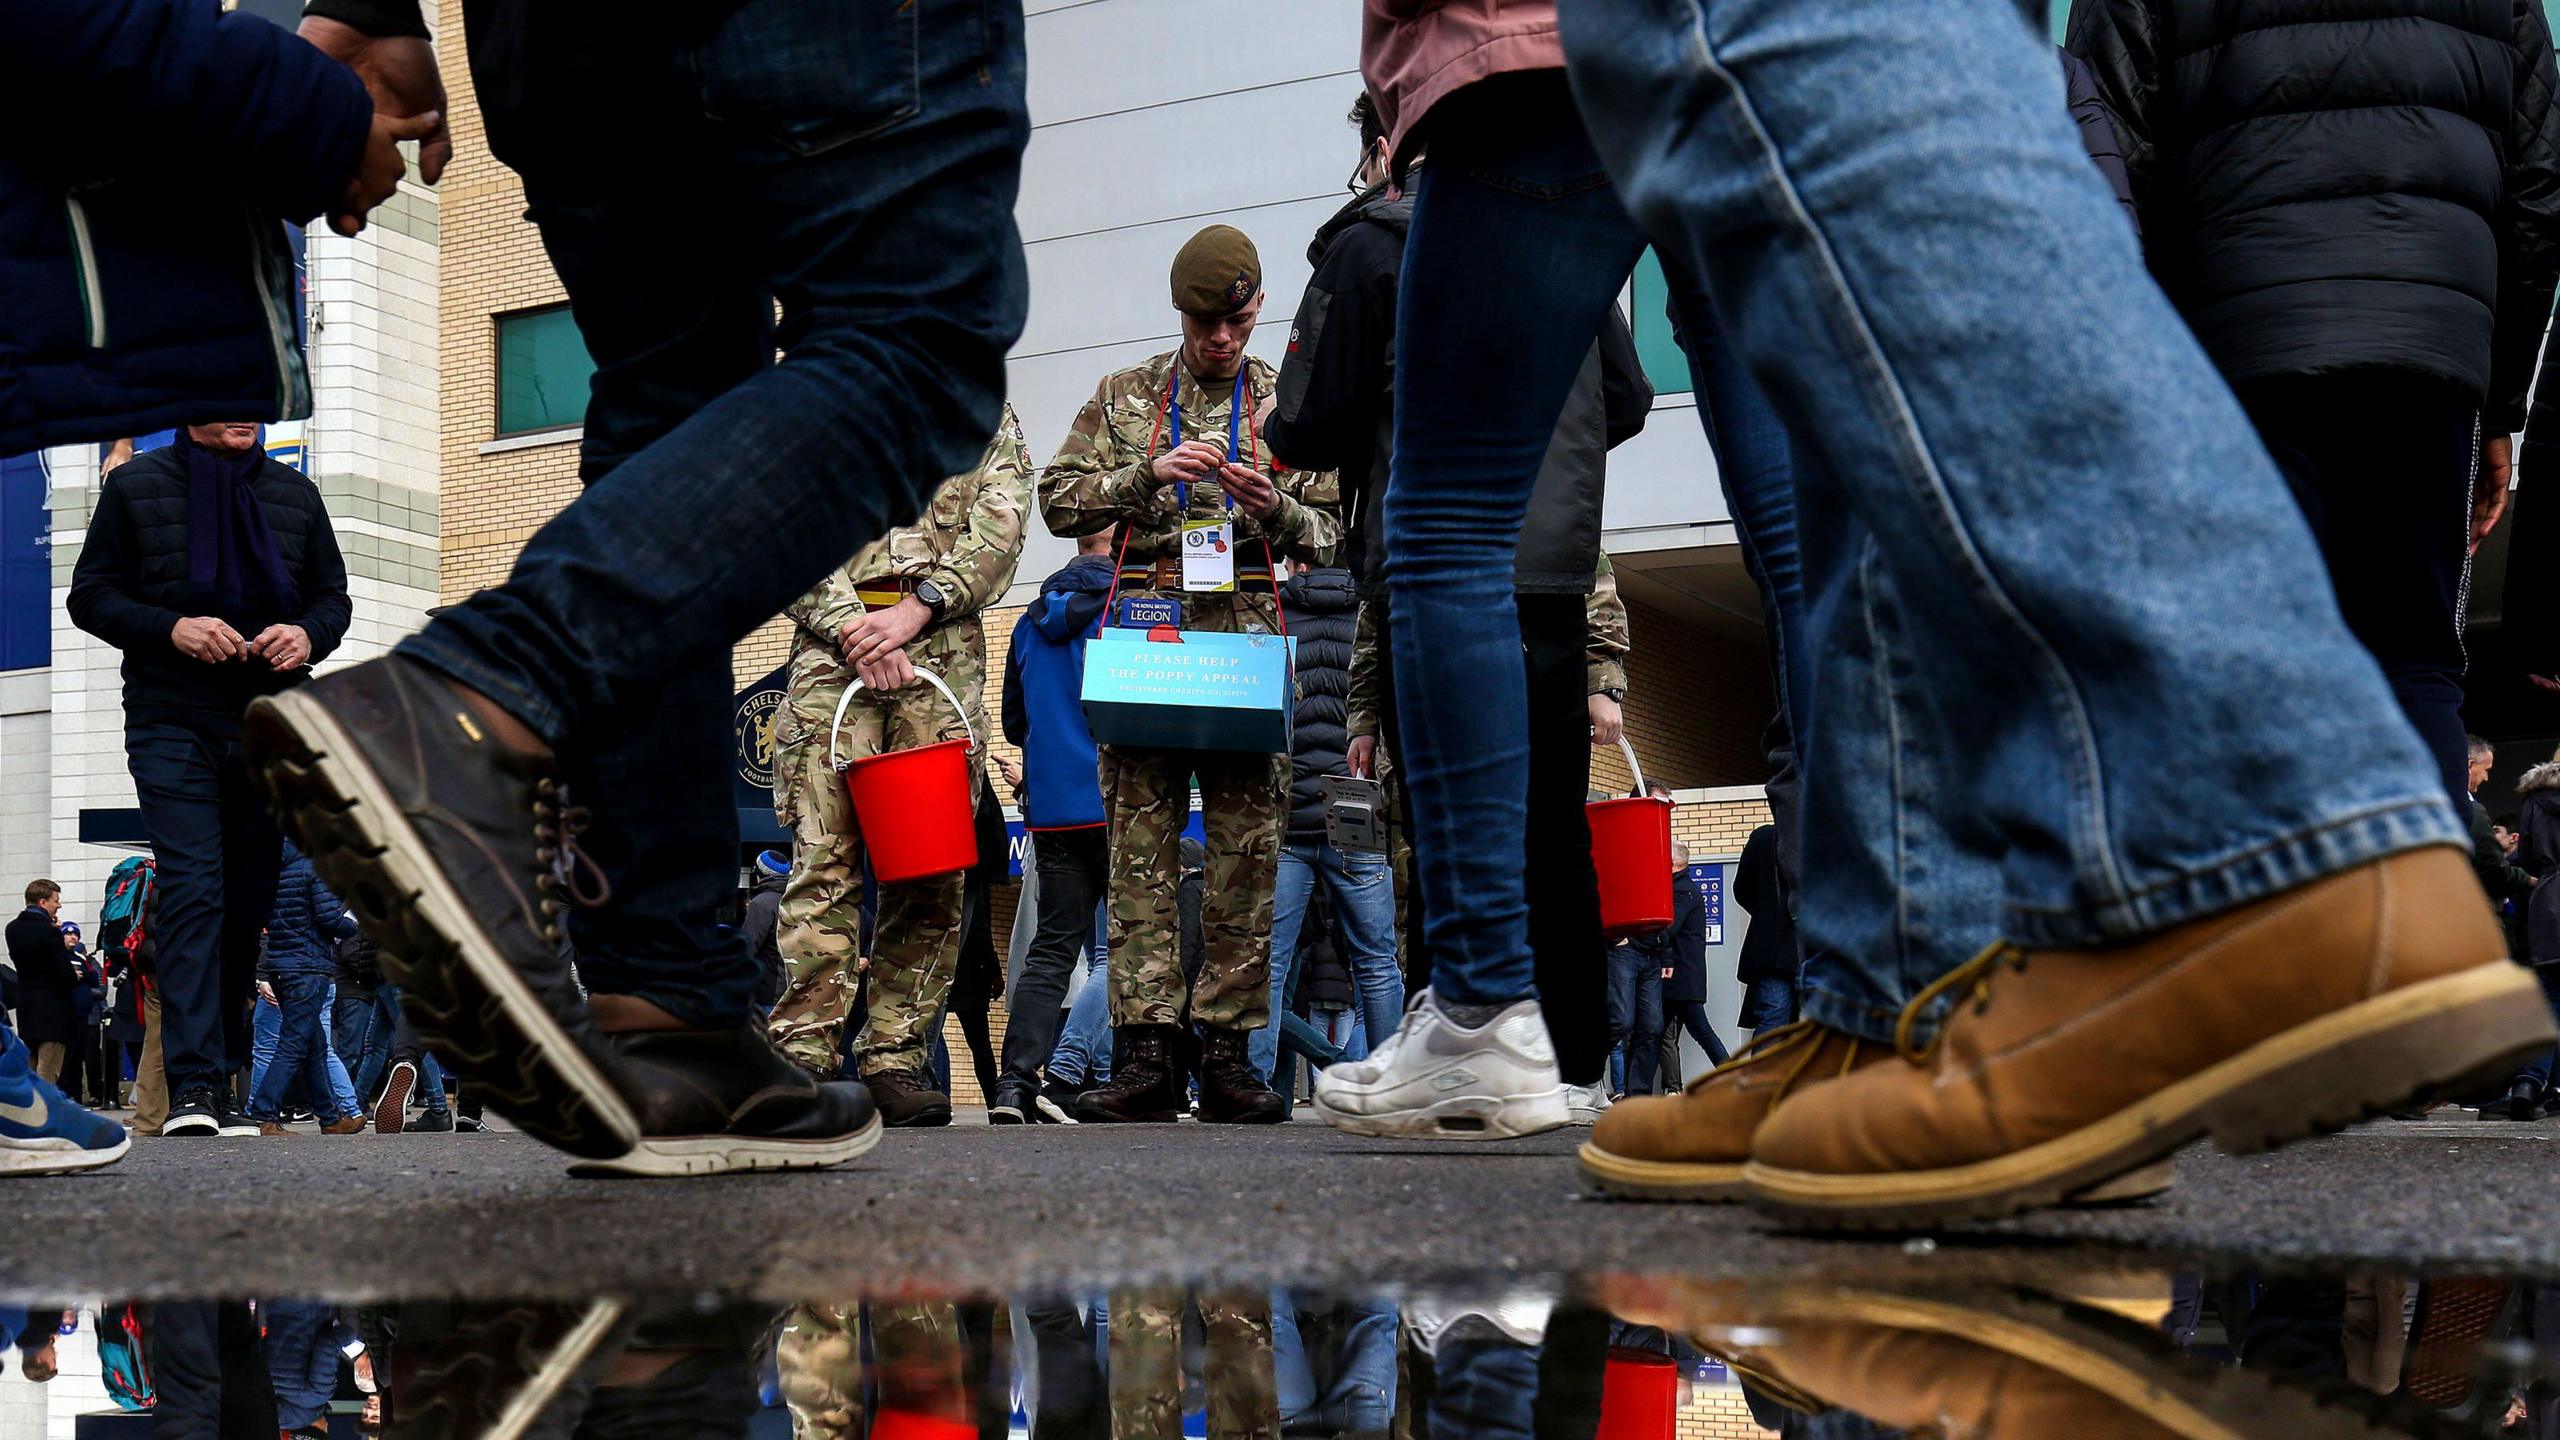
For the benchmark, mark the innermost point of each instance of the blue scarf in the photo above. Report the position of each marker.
(233, 567)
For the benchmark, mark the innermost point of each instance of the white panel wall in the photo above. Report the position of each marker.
(1153, 118)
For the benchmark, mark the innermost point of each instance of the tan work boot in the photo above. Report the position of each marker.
(1691, 1146)
(2059, 1072)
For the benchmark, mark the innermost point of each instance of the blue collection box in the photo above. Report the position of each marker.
(1200, 690)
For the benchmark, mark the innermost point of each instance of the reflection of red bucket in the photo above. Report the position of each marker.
(1639, 1396)
(916, 807)
(1631, 848)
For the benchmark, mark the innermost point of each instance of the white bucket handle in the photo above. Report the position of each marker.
(835, 728)
(1628, 749)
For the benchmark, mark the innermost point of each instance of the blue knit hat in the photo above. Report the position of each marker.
(774, 863)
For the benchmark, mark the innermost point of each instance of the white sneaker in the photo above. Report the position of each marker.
(1586, 1102)
(1518, 1318)
(1434, 1079)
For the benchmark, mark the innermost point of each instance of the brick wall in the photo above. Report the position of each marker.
(1718, 1413)
(1697, 701)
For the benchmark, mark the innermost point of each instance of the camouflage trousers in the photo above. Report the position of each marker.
(916, 945)
(1244, 805)
(1236, 1371)
(919, 1358)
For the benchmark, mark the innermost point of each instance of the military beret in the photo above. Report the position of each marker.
(1216, 273)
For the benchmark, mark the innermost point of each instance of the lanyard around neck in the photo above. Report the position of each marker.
(1173, 427)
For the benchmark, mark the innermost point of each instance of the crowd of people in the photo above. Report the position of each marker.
(2042, 505)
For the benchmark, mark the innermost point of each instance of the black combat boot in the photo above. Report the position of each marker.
(1230, 1093)
(1145, 1089)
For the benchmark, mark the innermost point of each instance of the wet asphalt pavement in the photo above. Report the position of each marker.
(971, 1208)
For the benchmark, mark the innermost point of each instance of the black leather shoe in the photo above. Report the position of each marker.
(1230, 1093)
(713, 1101)
(1145, 1089)
(907, 1100)
(1012, 1106)
(460, 854)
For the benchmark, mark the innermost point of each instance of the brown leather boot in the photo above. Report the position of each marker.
(2060, 1071)
(907, 1100)
(1145, 1089)
(1230, 1093)
(1691, 1146)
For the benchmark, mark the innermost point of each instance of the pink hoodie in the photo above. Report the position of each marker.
(1414, 53)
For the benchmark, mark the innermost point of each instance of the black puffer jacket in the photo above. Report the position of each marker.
(1323, 607)
(1338, 382)
(2333, 185)
(130, 588)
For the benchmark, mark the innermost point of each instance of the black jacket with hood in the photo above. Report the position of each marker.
(2334, 185)
(1336, 408)
(1323, 609)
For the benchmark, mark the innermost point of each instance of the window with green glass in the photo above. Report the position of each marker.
(1649, 317)
(543, 369)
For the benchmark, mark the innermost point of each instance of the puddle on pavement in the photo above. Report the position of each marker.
(1613, 1358)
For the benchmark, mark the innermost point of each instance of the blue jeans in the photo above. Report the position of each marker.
(1364, 907)
(1768, 1004)
(1360, 1396)
(300, 1052)
(1083, 1056)
(1906, 242)
(1635, 1021)
(1513, 204)
(863, 176)
(218, 852)
(2542, 1068)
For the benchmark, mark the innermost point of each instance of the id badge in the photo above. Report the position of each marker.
(1208, 556)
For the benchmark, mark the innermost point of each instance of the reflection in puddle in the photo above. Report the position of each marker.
(1625, 1358)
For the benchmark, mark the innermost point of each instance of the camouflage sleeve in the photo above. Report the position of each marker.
(830, 605)
(979, 564)
(1367, 694)
(1308, 524)
(1092, 482)
(1604, 653)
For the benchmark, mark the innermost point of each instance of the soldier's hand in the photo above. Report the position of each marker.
(1254, 493)
(1362, 756)
(868, 637)
(892, 671)
(1189, 463)
(1608, 720)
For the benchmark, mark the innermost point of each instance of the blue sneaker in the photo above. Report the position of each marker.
(45, 1132)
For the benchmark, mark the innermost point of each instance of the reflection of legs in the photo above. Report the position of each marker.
(1483, 1390)
(209, 1371)
(1243, 1395)
(818, 1360)
(1072, 1402)
(921, 1362)
(1146, 1364)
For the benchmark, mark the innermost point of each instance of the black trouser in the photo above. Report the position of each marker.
(218, 852)
(2382, 463)
(1074, 867)
(1564, 889)
(209, 1369)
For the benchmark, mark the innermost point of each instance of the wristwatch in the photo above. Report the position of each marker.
(933, 598)
(1616, 697)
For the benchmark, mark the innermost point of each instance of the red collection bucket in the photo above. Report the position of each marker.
(917, 807)
(1631, 848)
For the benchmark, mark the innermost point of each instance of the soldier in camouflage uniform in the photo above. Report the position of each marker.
(919, 1366)
(909, 602)
(1120, 466)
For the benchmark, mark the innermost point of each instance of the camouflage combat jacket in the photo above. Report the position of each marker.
(1606, 641)
(966, 543)
(1099, 476)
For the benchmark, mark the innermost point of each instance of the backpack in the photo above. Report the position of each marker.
(120, 1357)
(122, 920)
